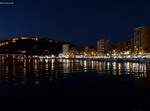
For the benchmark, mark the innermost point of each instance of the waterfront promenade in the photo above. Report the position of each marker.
(109, 58)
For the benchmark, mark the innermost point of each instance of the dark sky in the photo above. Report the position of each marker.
(81, 22)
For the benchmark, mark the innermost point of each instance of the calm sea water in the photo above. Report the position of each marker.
(45, 83)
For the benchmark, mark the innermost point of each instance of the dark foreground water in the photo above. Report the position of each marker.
(52, 84)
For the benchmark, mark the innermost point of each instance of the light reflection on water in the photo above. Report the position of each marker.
(15, 72)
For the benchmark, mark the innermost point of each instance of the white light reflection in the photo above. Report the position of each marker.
(93, 64)
(85, 66)
(24, 67)
(127, 67)
(46, 64)
(27, 66)
(108, 66)
(52, 64)
(119, 69)
(66, 66)
(114, 68)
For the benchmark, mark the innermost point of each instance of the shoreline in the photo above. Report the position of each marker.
(91, 59)
(116, 58)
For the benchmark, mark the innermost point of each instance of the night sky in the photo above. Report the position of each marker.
(81, 22)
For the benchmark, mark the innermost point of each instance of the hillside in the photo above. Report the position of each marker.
(32, 45)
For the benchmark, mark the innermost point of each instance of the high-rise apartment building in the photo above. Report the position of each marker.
(142, 39)
(65, 48)
(103, 45)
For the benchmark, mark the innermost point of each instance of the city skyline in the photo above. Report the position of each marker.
(76, 44)
(140, 43)
(75, 54)
(74, 20)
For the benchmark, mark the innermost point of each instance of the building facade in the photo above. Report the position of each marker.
(89, 49)
(142, 39)
(103, 45)
(65, 48)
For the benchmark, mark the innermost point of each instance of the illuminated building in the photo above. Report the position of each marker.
(25, 38)
(65, 48)
(89, 49)
(120, 46)
(130, 44)
(103, 45)
(142, 39)
(4, 43)
(35, 38)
